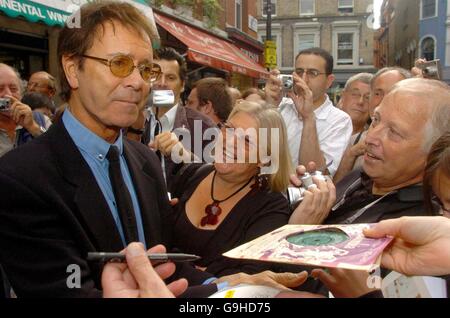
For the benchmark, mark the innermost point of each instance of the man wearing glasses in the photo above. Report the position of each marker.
(18, 123)
(355, 102)
(42, 82)
(317, 131)
(82, 187)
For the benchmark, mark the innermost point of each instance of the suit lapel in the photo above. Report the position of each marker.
(145, 186)
(93, 210)
(181, 118)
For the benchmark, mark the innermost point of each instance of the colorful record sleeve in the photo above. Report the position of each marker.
(334, 246)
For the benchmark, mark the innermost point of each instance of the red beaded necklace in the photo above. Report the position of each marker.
(213, 210)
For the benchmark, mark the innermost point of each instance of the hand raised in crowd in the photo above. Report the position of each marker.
(137, 278)
(359, 149)
(273, 88)
(416, 70)
(282, 281)
(22, 115)
(302, 97)
(344, 283)
(317, 202)
(421, 245)
(164, 143)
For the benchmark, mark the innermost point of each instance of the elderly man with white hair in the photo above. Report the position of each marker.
(18, 123)
(405, 125)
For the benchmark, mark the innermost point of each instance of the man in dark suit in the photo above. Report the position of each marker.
(81, 187)
(176, 117)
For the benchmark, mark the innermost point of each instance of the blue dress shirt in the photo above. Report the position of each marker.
(94, 150)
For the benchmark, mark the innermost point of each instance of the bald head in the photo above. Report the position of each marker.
(383, 82)
(10, 82)
(434, 97)
(407, 122)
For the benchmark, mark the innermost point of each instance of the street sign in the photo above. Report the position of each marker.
(270, 54)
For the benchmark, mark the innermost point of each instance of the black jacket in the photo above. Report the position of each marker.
(52, 213)
(407, 201)
(187, 118)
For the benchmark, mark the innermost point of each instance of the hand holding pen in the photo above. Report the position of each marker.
(137, 278)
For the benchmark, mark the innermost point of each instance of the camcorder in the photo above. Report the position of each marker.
(296, 195)
(161, 98)
(5, 104)
(431, 69)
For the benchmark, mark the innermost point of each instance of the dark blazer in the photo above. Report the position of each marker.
(407, 201)
(52, 213)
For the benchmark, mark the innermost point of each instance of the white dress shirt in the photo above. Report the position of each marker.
(167, 121)
(334, 130)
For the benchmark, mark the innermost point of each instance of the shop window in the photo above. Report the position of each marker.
(345, 49)
(428, 48)
(273, 5)
(307, 7)
(345, 6)
(238, 14)
(428, 8)
(306, 41)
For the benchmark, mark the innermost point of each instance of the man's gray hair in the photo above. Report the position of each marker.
(19, 78)
(438, 123)
(365, 78)
(437, 94)
(404, 73)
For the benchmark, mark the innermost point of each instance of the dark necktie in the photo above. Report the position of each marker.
(156, 132)
(122, 196)
(146, 136)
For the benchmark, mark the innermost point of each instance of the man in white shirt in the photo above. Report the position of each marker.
(317, 131)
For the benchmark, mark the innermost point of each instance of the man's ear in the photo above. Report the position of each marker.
(52, 93)
(70, 67)
(208, 107)
(330, 80)
(182, 87)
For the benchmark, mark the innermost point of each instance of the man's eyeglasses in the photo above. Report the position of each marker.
(123, 65)
(31, 85)
(311, 73)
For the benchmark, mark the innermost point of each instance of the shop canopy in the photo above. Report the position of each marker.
(209, 50)
(53, 12)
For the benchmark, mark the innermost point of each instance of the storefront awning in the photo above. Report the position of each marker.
(206, 49)
(53, 12)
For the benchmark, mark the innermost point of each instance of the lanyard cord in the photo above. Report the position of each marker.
(361, 211)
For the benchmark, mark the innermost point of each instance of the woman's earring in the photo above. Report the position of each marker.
(261, 181)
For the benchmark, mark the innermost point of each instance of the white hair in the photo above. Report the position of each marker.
(19, 78)
(437, 96)
(365, 78)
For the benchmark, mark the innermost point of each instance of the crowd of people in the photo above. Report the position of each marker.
(111, 170)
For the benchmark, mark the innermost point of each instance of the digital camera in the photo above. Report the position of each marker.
(296, 195)
(431, 69)
(287, 82)
(5, 104)
(161, 98)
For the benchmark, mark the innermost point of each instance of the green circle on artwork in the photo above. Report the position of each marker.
(318, 237)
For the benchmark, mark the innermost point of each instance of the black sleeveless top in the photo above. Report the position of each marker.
(256, 214)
